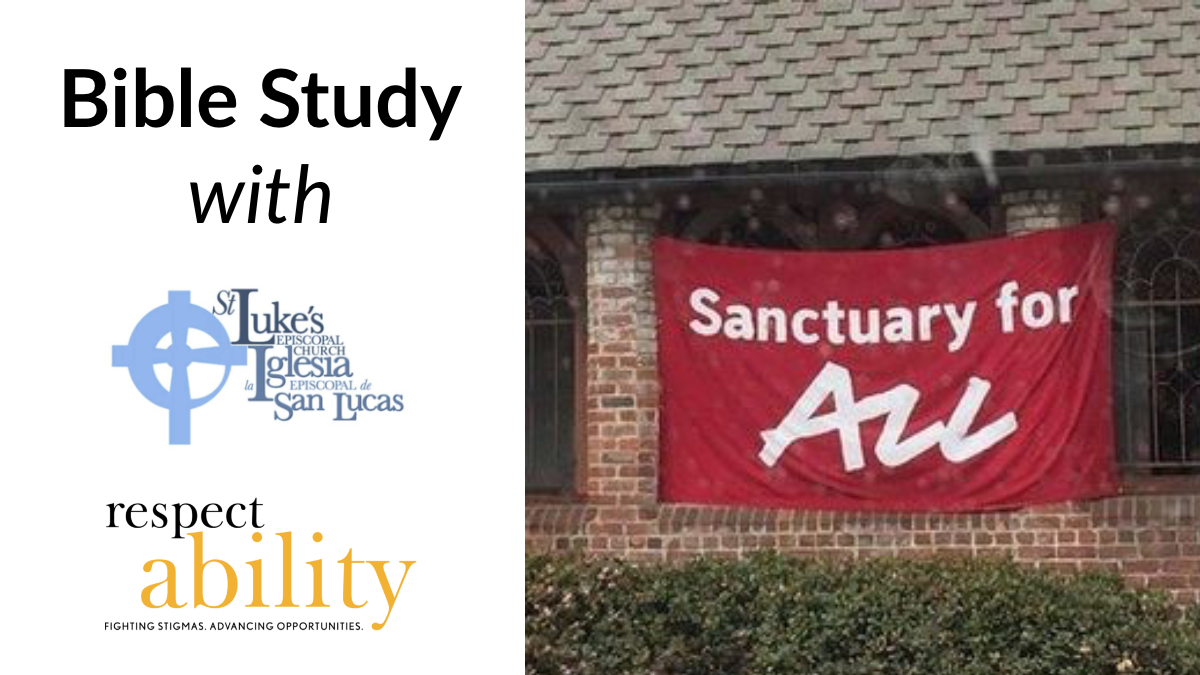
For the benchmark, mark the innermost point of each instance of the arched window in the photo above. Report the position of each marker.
(838, 225)
(752, 232)
(1157, 342)
(550, 344)
(913, 229)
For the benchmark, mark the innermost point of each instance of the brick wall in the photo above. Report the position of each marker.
(1151, 539)
(1042, 209)
(621, 455)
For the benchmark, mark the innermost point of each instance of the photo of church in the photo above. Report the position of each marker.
(848, 126)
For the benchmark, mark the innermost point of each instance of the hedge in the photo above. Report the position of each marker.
(778, 615)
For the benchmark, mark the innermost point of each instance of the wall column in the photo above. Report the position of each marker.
(622, 378)
(1028, 211)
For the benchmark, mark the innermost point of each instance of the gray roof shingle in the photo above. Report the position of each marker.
(625, 84)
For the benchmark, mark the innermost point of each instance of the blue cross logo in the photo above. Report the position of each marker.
(142, 353)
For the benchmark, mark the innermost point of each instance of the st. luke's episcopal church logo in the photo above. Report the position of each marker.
(142, 353)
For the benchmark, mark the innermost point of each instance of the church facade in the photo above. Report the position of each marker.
(855, 125)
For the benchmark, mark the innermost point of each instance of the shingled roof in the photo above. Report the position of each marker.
(625, 84)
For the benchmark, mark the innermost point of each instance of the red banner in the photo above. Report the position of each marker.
(954, 378)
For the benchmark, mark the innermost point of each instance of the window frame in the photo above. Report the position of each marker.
(560, 240)
(1145, 478)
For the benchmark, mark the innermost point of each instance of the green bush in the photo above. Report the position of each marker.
(776, 615)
